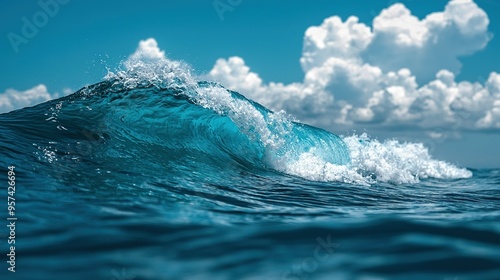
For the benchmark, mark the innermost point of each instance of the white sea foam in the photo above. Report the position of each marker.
(374, 161)
(312, 167)
(149, 66)
(396, 162)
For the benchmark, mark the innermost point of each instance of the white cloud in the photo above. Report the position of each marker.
(148, 49)
(334, 38)
(354, 74)
(13, 99)
(401, 40)
(235, 73)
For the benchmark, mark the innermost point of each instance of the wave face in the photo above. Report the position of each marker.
(204, 126)
(154, 174)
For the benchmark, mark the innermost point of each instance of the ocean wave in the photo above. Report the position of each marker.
(155, 109)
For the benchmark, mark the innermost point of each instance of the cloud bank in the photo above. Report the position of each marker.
(13, 99)
(398, 72)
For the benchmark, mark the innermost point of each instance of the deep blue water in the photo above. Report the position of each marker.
(163, 177)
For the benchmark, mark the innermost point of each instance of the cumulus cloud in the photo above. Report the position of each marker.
(399, 71)
(13, 99)
(147, 49)
(401, 40)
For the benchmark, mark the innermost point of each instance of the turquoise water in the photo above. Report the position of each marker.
(162, 176)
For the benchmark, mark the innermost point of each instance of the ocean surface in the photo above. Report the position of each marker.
(154, 173)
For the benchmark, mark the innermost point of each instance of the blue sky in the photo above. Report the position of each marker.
(262, 42)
